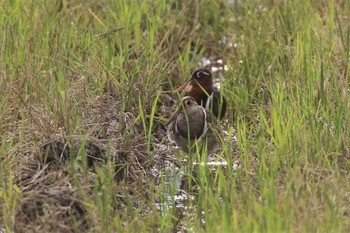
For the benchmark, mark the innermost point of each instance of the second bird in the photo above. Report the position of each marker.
(191, 122)
(200, 87)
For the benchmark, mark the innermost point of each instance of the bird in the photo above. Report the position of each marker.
(200, 87)
(190, 123)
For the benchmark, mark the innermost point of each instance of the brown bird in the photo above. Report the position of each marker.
(200, 87)
(191, 122)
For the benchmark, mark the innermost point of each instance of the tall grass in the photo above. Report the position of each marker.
(287, 89)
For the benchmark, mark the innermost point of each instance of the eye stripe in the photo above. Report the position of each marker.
(202, 74)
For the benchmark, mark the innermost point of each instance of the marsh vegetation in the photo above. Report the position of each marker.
(86, 88)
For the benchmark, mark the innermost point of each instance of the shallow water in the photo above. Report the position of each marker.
(173, 173)
(174, 168)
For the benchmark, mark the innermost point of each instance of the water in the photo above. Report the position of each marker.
(173, 167)
(174, 170)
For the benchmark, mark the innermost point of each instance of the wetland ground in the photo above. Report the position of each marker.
(86, 87)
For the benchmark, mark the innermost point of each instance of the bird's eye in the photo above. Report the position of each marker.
(202, 74)
(188, 102)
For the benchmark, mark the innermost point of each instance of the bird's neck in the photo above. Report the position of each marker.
(199, 95)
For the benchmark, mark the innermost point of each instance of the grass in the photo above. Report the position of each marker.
(86, 88)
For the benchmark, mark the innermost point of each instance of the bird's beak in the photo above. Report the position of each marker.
(183, 86)
(173, 117)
